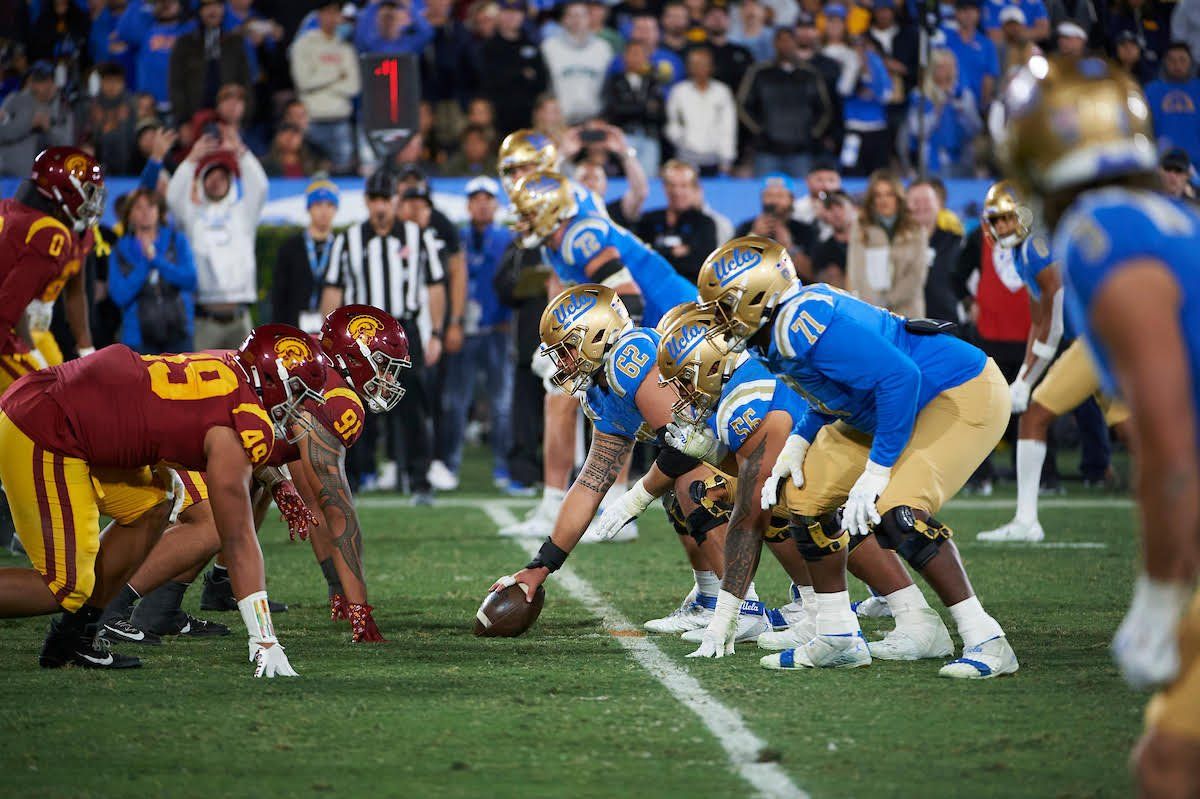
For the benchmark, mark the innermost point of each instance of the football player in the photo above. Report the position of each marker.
(368, 350)
(1069, 380)
(749, 412)
(585, 248)
(609, 363)
(45, 233)
(526, 151)
(904, 414)
(64, 427)
(1081, 140)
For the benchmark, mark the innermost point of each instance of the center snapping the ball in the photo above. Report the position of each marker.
(506, 614)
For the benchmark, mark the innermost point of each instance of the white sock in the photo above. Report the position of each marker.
(751, 594)
(707, 582)
(973, 622)
(1031, 454)
(834, 616)
(906, 599)
(808, 597)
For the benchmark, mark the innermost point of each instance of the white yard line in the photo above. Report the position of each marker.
(741, 745)
(967, 503)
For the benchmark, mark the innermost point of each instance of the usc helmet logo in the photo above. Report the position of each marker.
(292, 351)
(77, 165)
(363, 327)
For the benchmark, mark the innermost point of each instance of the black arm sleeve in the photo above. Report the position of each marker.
(672, 462)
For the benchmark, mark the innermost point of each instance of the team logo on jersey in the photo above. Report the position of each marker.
(292, 351)
(363, 327)
(686, 339)
(736, 263)
(570, 310)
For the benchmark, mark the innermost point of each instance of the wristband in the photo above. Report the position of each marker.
(435, 334)
(85, 351)
(551, 556)
(1043, 350)
(256, 614)
(458, 321)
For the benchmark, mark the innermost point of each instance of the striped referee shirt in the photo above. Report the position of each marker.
(389, 272)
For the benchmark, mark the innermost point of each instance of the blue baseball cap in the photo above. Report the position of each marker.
(482, 185)
(835, 10)
(321, 191)
(778, 179)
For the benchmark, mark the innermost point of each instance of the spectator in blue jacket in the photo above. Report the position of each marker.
(1175, 102)
(951, 119)
(397, 30)
(150, 31)
(152, 279)
(484, 353)
(867, 145)
(978, 63)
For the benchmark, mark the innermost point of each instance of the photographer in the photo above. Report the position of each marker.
(152, 279)
(775, 221)
(682, 233)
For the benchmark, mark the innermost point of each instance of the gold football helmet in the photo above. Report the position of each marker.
(742, 281)
(542, 201)
(578, 327)
(1002, 201)
(668, 319)
(695, 358)
(524, 151)
(1074, 121)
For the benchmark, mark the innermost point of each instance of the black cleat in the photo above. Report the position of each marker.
(218, 595)
(120, 631)
(88, 651)
(191, 627)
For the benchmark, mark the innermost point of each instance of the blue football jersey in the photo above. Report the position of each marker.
(1032, 257)
(1107, 228)
(587, 236)
(587, 200)
(853, 361)
(746, 398)
(613, 409)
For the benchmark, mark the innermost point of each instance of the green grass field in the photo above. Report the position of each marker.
(565, 710)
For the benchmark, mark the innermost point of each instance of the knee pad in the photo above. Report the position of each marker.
(675, 516)
(816, 538)
(915, 540)
(778, 530)
(833, 521)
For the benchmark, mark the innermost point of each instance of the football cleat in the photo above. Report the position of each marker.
(992, 658)
(922, 635)
(873, 607)
(1012, 532)
(846, 651)
(121, 631)
(693, 613)
(87, 650)
(538, 523)
(752, 622)
(798, 634)
(388, 478)
(786, 615)
(441, 478)
(191, 627)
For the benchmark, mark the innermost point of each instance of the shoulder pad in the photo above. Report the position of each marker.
(47, 236)
(254, 428)
(631, 358)
(343, 415)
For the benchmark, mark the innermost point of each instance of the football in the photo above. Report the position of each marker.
(506, 614)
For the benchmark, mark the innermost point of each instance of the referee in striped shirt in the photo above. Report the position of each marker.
(395, 266)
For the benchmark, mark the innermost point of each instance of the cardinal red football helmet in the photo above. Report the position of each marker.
(285, 367)
(74, 181)
(369, 348)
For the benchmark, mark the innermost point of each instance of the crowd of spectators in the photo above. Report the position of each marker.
(740, 88)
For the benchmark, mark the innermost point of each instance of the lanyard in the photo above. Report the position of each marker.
(317, 265)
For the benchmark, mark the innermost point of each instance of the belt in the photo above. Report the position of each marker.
(224, 317)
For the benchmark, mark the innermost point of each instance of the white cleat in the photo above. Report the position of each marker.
(538, 523)
(873, 607)
(787, 615)
(924, 637)
(389, 477)
(1014, 532)
(798, 634)
(627, 533)
(993, 658)
(441, 478)
(848, 651)
(690, 615)
(749, 628)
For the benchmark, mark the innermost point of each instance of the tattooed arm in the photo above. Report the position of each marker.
(324, 460)
(747, 520)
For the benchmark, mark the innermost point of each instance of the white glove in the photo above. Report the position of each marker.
(270, 661)
(39, 315)
(626, 508)
(860, 511)
(36, 356)
(721, 630)
(1145, 647)
(698, 442)
(790, 463)
(1019, 392)
(176, 493)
